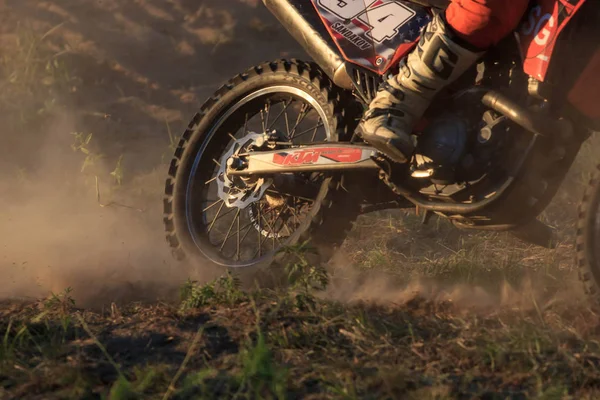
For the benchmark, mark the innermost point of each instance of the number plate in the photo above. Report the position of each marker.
(370, 33)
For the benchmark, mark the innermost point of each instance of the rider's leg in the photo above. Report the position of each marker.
(450, 44)
(483, 23)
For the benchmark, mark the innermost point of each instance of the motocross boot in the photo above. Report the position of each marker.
(437, 61)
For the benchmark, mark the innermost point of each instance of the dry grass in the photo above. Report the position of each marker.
(266, 346)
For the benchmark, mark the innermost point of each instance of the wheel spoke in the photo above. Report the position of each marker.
(227, 213)
(212, 205)
(263, 238)
(245, 125)
(221, 216)
(314, 136)
(227, 236)
(271, 227)
(295, 214)
(259, 235)
(303, 113)
(216, 217)
(211, 180)
(279, 116)
(249, 226)
(287, 121)
(314, 128)
(268, 109)
(291, 208)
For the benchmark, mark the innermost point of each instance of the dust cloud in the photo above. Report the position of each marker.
(132, 75)
(55, 234)
(377, 289)
(544, 278)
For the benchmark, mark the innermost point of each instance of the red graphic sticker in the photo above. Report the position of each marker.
(307, 157)
(540, 32)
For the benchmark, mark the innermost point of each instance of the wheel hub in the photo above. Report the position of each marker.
(250, 192)
(235, 191)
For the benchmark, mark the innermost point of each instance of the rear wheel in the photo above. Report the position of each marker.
(588, 239)
(240, 224)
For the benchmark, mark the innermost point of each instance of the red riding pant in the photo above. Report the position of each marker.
(483, 23)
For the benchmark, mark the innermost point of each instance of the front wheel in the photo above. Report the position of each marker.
(241, 224)
(588, 239)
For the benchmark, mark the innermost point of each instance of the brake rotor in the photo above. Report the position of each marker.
(235, 191)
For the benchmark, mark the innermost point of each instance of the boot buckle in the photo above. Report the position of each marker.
(397, 93)
(378, 112)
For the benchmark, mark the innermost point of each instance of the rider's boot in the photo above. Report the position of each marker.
(437, 61)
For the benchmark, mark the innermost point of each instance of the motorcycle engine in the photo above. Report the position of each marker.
(441, 146)
(452, 153)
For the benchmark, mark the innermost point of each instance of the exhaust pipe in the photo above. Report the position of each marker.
(533, 123)
(294, 19)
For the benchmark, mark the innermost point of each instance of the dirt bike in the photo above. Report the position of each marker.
(273, 157)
